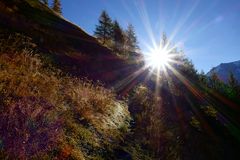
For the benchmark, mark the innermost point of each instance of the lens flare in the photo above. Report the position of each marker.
(159, 58)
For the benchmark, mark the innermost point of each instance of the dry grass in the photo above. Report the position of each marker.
(45, 113)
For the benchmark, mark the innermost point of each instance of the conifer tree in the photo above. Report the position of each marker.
(131, 39)
(118, 37)
(45, 2)
(233, 83)
(104, 28)
(202, 78)
(215, 81)
(57, 6)
(234, 86)
(164, 39)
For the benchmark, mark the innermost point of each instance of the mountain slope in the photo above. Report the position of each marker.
(67, 45)
(224, 69)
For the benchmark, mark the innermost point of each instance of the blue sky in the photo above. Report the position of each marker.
(207, 30)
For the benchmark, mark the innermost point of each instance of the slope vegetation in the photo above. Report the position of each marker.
(67, 45)
(45, 113)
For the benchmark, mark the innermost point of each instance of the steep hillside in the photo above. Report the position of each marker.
(67, 45)
(224, 69)
(45, 112)
(46, 115)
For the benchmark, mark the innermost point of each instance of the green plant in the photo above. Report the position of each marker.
(210, 111)
(195, 123)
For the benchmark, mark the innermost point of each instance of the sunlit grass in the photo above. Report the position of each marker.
(40, 100)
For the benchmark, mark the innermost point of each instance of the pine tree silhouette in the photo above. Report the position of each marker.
(57, 6)
(131, 39)
(104, 29)
(118, 37)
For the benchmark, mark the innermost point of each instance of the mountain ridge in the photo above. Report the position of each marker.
(223, 70)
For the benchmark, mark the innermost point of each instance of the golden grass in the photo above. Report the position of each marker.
(85, 115)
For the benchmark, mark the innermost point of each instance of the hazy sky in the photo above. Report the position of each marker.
(207, 30)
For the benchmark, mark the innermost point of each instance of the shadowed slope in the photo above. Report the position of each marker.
(67, 45)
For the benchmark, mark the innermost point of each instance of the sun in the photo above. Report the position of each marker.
(158, 58)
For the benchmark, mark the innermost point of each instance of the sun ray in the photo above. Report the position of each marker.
(145, 19)
(123, 85)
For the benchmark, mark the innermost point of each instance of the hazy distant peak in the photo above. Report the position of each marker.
(224, 69)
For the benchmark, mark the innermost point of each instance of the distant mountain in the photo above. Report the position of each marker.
(223, 70)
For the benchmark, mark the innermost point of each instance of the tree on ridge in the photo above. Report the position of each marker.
(57, 6)
(103, 30)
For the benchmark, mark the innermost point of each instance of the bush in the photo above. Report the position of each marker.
(153, 135)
